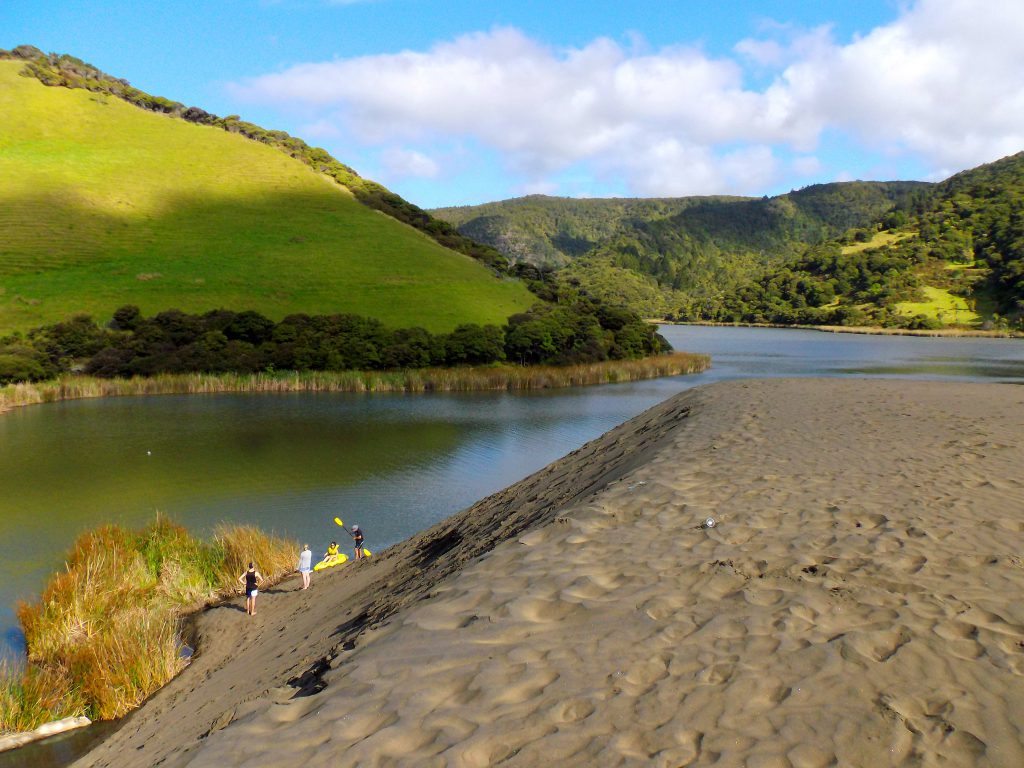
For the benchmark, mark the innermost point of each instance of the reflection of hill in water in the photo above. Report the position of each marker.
(201, 448)
(394, 464)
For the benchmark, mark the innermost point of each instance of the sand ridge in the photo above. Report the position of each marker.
(283, 650)
(855, 605)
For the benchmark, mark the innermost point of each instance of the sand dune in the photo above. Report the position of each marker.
(855, 605)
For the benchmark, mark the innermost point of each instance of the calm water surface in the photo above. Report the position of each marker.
(395, 464)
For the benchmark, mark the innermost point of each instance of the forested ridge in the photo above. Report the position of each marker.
(668, 237)
(947, 255)
(904, 254)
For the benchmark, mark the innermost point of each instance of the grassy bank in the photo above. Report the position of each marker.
(487, 378)
(105, 632)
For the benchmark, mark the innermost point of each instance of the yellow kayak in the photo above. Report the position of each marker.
(330, 561)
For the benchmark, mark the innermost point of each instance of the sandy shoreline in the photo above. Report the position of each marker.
(856, 605)
(864, 330)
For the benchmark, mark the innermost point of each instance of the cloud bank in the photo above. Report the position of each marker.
(942, 83)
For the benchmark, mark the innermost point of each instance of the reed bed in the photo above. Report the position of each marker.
(484, 378)
(105, 633)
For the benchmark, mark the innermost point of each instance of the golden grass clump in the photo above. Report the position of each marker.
(483, 378)
(241, 544)
(105, 633)
(31, 696)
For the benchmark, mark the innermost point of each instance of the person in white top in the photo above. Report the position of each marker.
(305, 565)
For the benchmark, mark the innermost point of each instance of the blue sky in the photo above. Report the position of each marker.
(462, 102)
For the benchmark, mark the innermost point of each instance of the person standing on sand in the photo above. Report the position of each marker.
(357, 537)
(252, 580)
(305, 565)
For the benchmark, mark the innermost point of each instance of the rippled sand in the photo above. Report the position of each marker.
(857, 603)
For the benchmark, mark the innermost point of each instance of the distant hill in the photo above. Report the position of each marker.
(104, 204)
(948, 254)
(659, 234)
(694, 245)
(873, 253)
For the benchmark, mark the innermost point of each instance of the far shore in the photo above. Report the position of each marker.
(470, 379)
(867, 330)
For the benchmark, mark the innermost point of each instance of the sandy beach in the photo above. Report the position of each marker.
(855, 604)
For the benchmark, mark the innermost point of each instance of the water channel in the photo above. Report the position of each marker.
(395, 464)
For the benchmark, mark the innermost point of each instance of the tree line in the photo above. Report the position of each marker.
(578, 331)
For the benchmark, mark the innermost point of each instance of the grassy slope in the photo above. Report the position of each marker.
(877, 240)
(941, 305)
(103, 204)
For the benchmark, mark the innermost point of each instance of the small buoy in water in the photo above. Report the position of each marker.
(709, 523)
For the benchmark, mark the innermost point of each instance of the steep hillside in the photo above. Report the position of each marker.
(551, 231)
(691, 247)
(104, 204)
(951, 254)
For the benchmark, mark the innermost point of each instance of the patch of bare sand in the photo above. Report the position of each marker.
(857, 604)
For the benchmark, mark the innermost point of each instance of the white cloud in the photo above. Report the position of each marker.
(405, 163)
(941, 82)
(944, 81)
(807, 165)
(321, 129)
(539, 188)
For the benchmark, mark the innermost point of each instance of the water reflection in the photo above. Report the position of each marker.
(57, 751)
(393, 463)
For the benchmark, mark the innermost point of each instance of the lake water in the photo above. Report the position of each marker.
(394, 464)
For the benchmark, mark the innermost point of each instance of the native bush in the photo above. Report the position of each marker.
(577, 330)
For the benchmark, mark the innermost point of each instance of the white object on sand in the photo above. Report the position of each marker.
(15, 740)
(709, 523)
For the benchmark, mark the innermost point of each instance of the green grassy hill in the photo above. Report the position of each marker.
(104, 204)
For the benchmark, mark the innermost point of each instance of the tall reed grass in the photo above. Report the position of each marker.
(105, 633)
(501, 377)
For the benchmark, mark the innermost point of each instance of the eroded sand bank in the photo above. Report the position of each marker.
(857, 604)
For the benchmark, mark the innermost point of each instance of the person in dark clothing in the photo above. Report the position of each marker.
(357, 537)
(252, 580)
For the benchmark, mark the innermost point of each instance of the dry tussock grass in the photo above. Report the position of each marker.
(105, 633)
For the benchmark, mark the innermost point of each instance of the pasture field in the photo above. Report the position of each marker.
(942, 306)
(877, 241)
(104, 204)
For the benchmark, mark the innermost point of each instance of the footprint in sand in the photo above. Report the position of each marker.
(909, 563)
(571, 711)
(644, 674)
(526, 687)
(879, 646)
(540, 611)
(687, 753)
